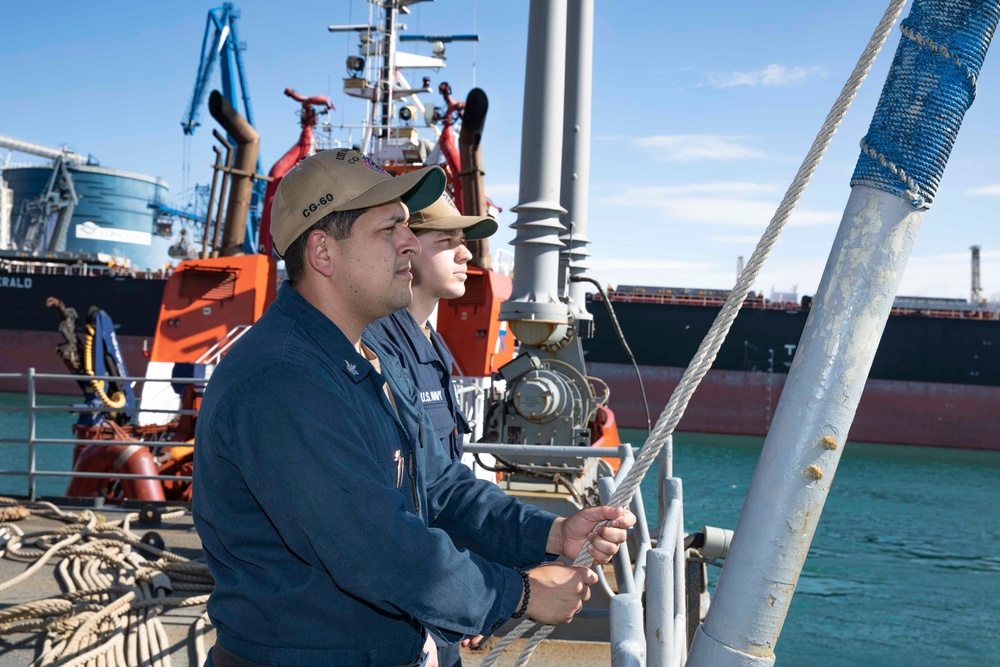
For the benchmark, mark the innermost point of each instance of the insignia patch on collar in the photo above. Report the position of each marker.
(351, 368)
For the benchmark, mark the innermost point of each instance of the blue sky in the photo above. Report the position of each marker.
(702, 114)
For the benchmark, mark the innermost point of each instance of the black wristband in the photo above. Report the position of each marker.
(526, 587)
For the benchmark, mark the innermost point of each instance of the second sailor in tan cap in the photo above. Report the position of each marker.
(439, 272)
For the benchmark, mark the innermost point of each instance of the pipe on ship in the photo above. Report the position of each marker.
(471, 153)
(575, 184)
(245, 165)
(534, 311)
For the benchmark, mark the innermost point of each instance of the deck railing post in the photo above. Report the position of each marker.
(628, 645)
(621, 561)
(31, 434)
(643, 543)
(664, 471)
(663, 642)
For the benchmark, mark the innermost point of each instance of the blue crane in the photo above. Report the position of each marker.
(221, 44)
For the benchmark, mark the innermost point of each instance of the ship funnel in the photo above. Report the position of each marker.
(977, 289)
(471, 154)
(242, 173)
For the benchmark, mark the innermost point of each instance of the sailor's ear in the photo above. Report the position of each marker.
(318, 252)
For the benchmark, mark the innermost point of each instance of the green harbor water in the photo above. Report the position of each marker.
(904, 570)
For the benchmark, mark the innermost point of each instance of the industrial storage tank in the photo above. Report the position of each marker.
(111, 215)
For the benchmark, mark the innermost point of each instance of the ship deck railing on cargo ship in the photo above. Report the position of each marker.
(80, 269)
(758, 303)
(954, 314)
(36, 405)
(752, 301)
(472, 398)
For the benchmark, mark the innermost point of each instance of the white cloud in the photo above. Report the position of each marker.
(711, 188)
(772, 75)
(692, 147)
(713, 205)
(734, 240)
(806, 218)
(985, 191)
(631, 263)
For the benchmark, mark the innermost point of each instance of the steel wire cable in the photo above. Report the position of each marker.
(710, 345)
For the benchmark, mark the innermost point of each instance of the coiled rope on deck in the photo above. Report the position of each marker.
(713, 340)
(115, 595)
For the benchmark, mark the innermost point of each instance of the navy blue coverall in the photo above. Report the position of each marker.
(327, 544)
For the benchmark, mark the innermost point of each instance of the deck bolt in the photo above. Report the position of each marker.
(815, 472)
(829, 442)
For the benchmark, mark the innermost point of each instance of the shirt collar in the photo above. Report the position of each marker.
(424, 349)
(442, 349)
(321, 329)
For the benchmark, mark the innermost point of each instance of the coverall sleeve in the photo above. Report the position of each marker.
(479, 516)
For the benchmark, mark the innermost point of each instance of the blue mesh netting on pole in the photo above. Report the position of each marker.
(931, 84)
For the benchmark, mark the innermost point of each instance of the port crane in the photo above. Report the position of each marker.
(221, 45)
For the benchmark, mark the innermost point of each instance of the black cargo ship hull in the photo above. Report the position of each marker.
(935, 381)
(28, 328)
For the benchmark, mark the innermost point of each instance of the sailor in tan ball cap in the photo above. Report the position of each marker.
(311, 493)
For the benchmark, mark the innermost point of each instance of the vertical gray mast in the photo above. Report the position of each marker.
(576, 158)
(977, 289)
(534, 310)
(387, 77)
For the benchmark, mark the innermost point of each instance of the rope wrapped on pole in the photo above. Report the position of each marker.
(931, 85)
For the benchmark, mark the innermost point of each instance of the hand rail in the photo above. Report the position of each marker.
(33, 409)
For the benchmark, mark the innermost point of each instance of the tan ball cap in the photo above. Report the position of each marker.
(343, 180)
(443, 215)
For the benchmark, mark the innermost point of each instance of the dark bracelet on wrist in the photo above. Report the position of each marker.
(526, 587)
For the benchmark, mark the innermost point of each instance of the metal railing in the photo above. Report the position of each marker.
(654, 633)
(215, 353)
(472, 402)
(31, 440)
